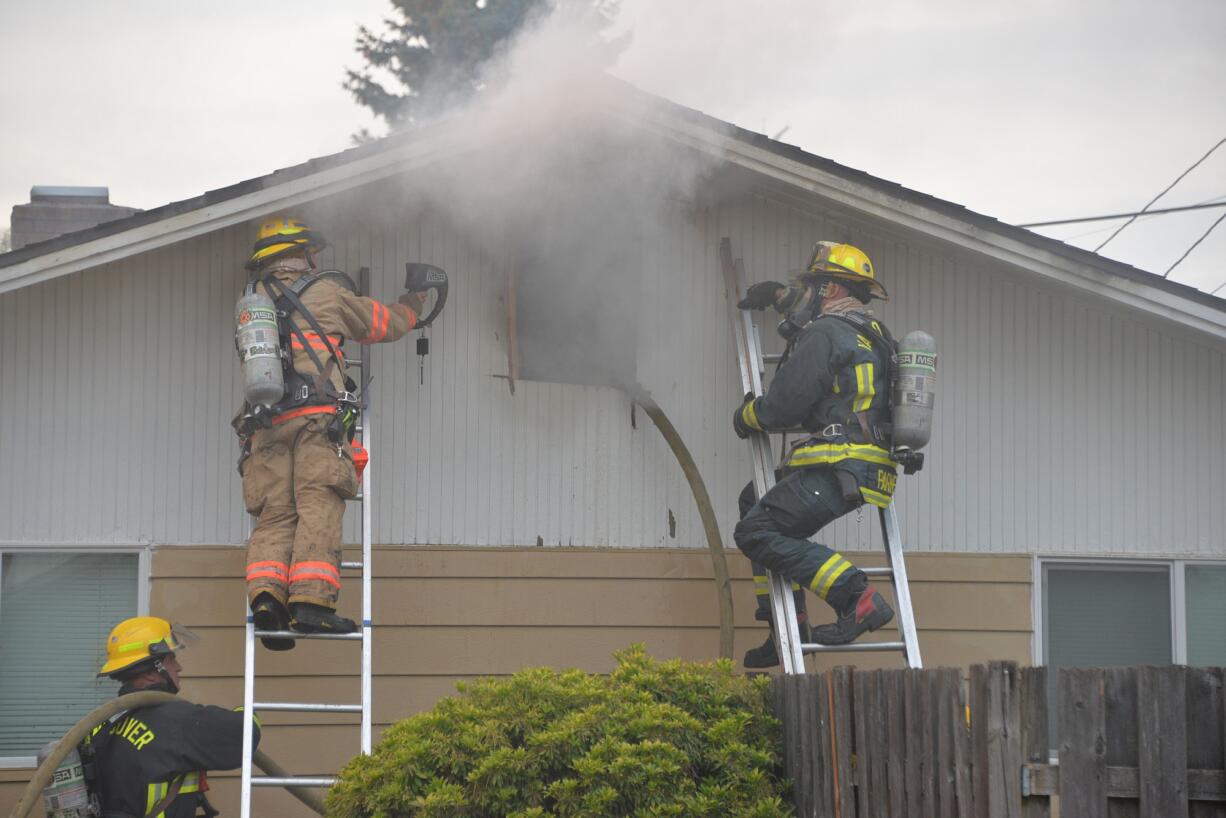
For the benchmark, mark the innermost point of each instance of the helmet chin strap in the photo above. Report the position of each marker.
(166, 677)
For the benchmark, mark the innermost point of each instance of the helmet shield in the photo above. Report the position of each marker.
(182, 637)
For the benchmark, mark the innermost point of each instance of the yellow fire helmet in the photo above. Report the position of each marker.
(142, 639)
(843, 262)
(281, 235)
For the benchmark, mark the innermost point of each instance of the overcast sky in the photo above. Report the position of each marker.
(1026, 110)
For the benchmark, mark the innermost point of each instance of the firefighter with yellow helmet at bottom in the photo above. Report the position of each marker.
(833, 382)
(296, 426)
(141, 756)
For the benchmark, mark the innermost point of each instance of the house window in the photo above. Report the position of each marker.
(1116, 613)
(56, 610)
(1106, 614)
(1205, 607)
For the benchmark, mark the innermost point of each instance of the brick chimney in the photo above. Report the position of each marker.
(55, 210)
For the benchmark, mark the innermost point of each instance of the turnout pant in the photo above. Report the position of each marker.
(774, 534)
(296, 481)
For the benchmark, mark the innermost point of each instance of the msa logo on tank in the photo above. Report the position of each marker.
(259, 349)
(70, 773)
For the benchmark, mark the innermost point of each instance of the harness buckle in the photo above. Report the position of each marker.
(303, 392)
(834, 430)
(347, 397)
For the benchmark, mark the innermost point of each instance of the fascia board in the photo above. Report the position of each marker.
(946, 228)
(224, 214)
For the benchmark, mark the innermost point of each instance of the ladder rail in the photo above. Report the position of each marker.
(248, 703)
(749, 354)
(367, 635)
(902, 587)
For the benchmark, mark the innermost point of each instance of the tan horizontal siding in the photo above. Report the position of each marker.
(447, 614)
(678, 563)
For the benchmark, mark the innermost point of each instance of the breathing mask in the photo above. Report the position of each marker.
(799, 304)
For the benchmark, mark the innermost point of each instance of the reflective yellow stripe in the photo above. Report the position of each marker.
(761, 586)
(864, 388)
(749, 414)
(822, 453)
(191, 783)
(826, 575)
(134, 645)
(830, 580)
(876, 497)
(156, 792)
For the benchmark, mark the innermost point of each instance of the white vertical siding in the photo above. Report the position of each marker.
(1062, 425)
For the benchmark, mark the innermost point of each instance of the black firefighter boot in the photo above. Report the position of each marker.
(270, 615)
(864, 609)
(306, 617)
(766, 655)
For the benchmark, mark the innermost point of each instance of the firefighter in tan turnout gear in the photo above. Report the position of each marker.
(833, 382)
(298, 462)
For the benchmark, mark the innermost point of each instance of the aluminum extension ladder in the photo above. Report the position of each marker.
(752, 364)
(250, 704)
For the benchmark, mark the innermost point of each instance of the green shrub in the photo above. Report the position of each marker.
(651, 739)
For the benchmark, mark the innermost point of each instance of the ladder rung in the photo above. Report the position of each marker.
(355, 498)
(293, 781)
(353, 362)
(355, 636)
(355, 565)
(306, 707)
(771, 357)
(855, 647)
(879, 572)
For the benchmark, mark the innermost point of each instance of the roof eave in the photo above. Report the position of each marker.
(215, 216)
(994, 244)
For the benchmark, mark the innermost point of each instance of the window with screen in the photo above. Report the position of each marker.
(1205, 606)
(56, 610)
(1103, 616)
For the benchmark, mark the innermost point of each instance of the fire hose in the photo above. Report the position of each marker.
(132, 701)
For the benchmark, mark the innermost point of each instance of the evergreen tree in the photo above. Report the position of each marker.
(434, 52)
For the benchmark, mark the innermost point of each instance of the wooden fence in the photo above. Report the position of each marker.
(1140, 741)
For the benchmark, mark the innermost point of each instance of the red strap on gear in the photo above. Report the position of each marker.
(360, 458)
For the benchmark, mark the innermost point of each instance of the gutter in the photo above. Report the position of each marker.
(942, 227)
(211, 217)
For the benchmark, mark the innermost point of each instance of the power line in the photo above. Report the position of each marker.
(1125, 215)
(1220, 219)
(1160, 195)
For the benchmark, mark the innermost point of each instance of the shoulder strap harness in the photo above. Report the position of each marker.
(887, 350)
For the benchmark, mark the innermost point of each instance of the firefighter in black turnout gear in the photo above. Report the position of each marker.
(834, 383)
(153, 761)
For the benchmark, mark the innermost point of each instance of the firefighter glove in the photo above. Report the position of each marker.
(744, 420)
(414, 301)
(760, 296)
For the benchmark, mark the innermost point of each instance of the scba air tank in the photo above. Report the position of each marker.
(67, 796)
(259, 350)
(915, 390)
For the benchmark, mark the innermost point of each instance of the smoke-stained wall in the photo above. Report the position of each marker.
(119, 384)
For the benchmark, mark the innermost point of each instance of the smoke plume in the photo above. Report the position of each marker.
(555, 172)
